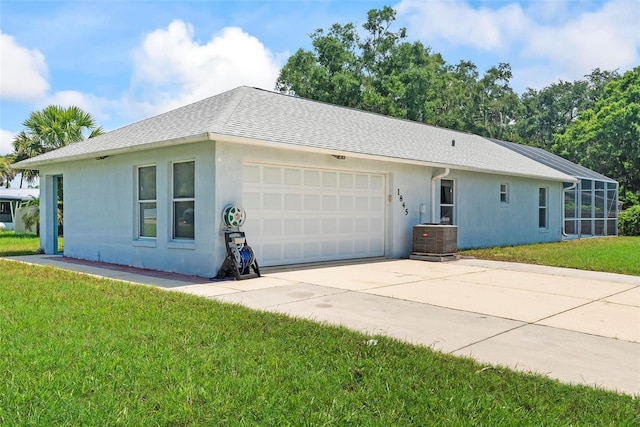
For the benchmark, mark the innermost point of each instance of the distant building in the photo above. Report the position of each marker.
(11, 199)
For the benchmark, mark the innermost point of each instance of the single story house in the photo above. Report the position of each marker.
(11, 200)
(318, 182)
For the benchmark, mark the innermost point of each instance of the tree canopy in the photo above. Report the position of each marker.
(6, 173)
(383, 73)
(592, 121)
(51, 128)
(606, 136)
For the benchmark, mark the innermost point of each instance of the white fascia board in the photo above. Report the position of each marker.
(28, 164)
(281, 145)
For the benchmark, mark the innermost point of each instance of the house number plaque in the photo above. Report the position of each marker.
(401, 200)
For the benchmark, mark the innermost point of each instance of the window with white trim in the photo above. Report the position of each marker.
(504, 193)
(543, 214)
(447, 201)
(183, 200)
(147, 205)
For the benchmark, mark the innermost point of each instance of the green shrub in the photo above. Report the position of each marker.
(629, 221)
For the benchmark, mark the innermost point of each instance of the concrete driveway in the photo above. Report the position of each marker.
(576, 326)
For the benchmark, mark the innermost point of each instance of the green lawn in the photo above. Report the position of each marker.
(21, 244)
(78, 350)
(611, 254)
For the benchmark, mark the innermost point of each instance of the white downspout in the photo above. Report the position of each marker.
(564, 195)
(433, 194)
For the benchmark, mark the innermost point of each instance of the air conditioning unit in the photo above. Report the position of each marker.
(435, 239)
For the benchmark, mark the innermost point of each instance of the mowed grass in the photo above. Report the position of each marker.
(611, 254)
(12, 244)
(78, 350)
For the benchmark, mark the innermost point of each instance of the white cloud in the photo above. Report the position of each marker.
(459, 23)
(6, 142)
(172, 68)
(23, 71)
(607, 38)
(547, 41)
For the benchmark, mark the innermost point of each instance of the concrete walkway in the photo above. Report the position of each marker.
(576, 326)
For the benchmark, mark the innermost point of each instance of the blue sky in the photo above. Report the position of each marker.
(127, 60)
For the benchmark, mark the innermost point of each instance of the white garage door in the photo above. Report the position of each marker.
(297, 215)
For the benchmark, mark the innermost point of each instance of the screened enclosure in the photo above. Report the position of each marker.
(591, 208)
(590, 205)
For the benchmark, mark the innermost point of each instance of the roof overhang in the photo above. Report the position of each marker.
(34, 163)
(208, 136)
(364, 156)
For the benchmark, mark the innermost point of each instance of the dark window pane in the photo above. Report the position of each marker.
(586, 184)
(5, 212)
(542, 217)
(504, 193)
(148, 219)
(570, 227)
(542, 197)
(585, 229)
(147, 183)
(183, 217)
(599, 184)
(183, 180)
(446, 192)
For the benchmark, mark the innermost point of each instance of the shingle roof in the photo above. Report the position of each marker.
(257, 115)
(553, 161)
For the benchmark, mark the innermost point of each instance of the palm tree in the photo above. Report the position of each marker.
(46, 130)
(25, 147)
(51, 128)
(56, 126)
(6, 173)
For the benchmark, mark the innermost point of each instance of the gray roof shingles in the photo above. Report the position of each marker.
(259, 115)
(556, 162)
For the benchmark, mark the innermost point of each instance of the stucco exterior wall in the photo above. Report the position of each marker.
(100, 204)
(100, 213)
(484, 221)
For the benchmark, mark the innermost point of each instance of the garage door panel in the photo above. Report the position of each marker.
(271, 175)
(311, 250)
(292, 202)
(293, 226)
(312, 178)
(292, 176)
(297, 215)
(272, 201)
(329, 179)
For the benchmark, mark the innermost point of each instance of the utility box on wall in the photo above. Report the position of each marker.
(435, 239)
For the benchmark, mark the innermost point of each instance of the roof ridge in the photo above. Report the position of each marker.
(223, 117)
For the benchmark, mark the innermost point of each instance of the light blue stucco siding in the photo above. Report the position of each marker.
(484, 221)
(100, 199)
(100, 210)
